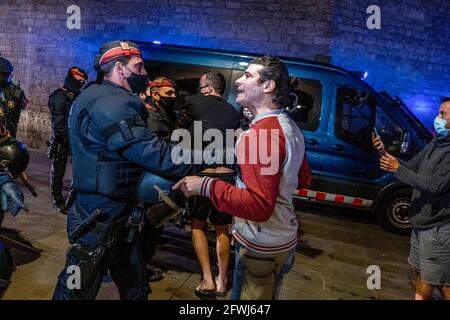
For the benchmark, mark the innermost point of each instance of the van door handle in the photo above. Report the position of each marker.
(337, 147)
(312, 142)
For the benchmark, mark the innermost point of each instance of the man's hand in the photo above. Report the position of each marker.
(389, 163)
(378, 145)
(190, 186)
(11, 198)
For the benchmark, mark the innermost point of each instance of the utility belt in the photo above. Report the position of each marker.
(91, 245)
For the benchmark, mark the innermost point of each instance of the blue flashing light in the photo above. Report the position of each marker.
(365, 75)
(360, 74)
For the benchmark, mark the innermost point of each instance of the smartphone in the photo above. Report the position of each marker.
(375, 131)
(382, 151)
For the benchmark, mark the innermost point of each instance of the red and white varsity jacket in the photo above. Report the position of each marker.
(272, 162)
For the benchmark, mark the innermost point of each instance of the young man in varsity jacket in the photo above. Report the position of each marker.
(265, 224)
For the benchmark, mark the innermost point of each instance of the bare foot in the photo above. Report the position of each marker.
(206, 285)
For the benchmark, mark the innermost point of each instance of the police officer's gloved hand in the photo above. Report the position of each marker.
(11, 198)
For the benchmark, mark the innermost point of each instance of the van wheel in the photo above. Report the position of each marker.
(392, 214)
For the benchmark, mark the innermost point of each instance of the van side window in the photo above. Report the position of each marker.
(306, 103)
(186, 76)
(390, 132)
(355, 116)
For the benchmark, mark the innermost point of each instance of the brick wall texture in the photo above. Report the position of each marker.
(407, 56)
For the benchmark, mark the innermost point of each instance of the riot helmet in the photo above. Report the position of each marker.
(13, 155)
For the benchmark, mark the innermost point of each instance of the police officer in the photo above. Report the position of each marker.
(59, 104)
(111, 147)
(160, 99)
(12, 202)
(13, 157)
(12, 97)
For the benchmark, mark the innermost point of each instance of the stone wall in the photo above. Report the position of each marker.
(406, 56)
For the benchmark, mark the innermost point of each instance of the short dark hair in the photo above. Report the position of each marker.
(216, 80)
(274, 69)
(109, 66)
(445, 99)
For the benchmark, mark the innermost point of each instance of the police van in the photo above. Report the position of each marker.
(337, 112)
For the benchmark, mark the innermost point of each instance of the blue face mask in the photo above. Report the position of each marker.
(439, 126)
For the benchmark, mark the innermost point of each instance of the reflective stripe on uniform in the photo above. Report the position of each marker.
(331, 197)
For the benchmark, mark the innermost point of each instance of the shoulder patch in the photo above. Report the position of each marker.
(10, 104)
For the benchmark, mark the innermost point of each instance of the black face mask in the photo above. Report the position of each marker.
(168, 102)
(148, 99)
(137, 82)
(73, 84)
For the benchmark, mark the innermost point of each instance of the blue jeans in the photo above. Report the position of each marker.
(238, 273)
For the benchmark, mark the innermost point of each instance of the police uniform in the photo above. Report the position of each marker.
(161, 117)
(6, 261)
(59, 104)
(14, 157)
(111, 147)
(160, 120)
(12, 98)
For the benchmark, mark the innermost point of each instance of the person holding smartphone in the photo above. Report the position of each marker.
(428, 173)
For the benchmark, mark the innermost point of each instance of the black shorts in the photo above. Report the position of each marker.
(202, 207)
